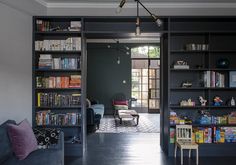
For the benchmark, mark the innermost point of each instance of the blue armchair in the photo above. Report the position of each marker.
(98, 109)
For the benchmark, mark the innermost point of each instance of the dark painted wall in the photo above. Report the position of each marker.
(104, 76)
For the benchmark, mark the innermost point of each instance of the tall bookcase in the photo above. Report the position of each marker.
(59, 78)
(203, 43)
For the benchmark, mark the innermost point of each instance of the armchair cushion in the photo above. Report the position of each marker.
(98, 109)
(120, 102)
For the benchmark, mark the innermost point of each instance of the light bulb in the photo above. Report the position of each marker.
(159, 22)
(138, 31)
(122, 3)
(118, 10)
(118, 60)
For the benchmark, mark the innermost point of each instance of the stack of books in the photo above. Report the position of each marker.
(42, 26)
(214, 79)
(75, 26)
(66, 63)
(70, 44)
(45, 61)
(75, 81)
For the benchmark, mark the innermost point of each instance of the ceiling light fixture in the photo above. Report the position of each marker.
(154, 17)
(138, 31)
(119, 8)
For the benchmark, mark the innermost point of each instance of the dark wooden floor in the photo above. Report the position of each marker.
(133, 149)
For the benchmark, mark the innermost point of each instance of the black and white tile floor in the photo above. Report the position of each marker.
(148, 123)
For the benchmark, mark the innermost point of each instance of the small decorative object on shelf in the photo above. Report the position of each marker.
(202, 101)
(188, 103)
(186, 84)
(222, 63)
(217, 101)
(232, 102)
(181, 65)
(232, 118)
(196, 47)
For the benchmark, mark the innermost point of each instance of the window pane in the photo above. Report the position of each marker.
(154, 104)
(139, 52)
(145, 103)
(144, 95)
(136, 95)
(139, 64)
(145, 72)
(154, 94)
(145, 87)
(153, 83)
(154, 52)
(145, 80)
(154, 64)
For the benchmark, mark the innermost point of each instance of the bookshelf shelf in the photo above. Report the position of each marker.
(203, 88)
(202, 107)
(207, 125)
(58, 126)
(189, 51)
(61, 107)
(59, 89)
(63, 50)
(58, 33)
(187, 70)
(57, 52)
(58, 70)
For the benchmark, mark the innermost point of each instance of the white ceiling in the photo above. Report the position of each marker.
(146, 1)
(159, 7)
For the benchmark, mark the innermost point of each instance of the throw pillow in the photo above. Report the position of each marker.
(46, 136)
(22, 139)
(120, 102)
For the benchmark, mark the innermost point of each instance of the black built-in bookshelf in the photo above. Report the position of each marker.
(219, 35)
(58, 89)
(217, 32)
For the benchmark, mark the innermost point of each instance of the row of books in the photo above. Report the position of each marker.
(42, 25)
(214, 79)
(210, 135)
(74, 81)
(47, 62)
(58, 100)
(70, 44)
(62, 119)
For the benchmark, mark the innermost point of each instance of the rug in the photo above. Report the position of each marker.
(148, 123)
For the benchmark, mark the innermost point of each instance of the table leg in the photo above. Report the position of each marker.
(137, 120)
(120, 120)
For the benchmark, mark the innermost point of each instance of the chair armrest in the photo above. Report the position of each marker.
(60, 143)
(59, 147)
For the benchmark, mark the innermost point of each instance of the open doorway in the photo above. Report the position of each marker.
(145, 90)
(115, 69)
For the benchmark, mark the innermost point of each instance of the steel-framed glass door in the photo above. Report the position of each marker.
(145, 78)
